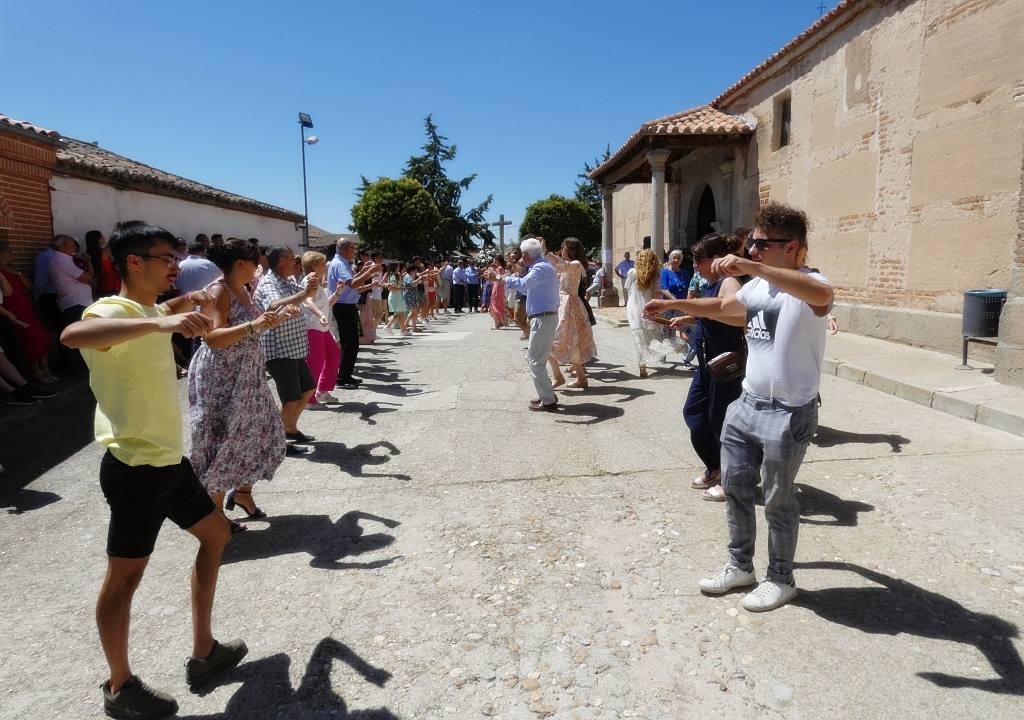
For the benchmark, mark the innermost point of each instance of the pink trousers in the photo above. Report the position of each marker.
(324, 359)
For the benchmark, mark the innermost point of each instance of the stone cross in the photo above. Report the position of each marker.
(501, 225)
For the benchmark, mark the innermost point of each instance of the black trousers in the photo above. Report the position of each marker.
(474, 296)
(458, 297)
(347, 317)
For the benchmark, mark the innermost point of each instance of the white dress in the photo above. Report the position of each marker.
(648, 337)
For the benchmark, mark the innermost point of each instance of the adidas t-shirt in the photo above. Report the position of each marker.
(785, 343)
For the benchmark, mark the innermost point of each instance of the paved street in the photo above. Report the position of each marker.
(448, 554)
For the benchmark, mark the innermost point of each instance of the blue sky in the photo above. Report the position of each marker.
(527, 90)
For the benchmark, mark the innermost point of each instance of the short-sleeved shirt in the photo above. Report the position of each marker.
(472, 276)
(138, 418)
(676, 282)
(459, 276)
(289, 339)
(64, 276)
(339, 270)
(785, 343)
(698, 283)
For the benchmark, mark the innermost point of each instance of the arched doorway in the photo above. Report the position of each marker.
(706, 213)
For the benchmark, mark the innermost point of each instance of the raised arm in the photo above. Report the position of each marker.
(101, 333)
(798, 284)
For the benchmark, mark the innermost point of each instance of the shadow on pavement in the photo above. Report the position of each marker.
(266, 690)
(326, 542)
(830, 437)
(353, 460)
(595, 412)
(366, 410)
(627, 393)
(897, 606)
(394, 390)
(814, 501)
(37, 438)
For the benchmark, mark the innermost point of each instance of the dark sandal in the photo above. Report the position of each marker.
(229, 504)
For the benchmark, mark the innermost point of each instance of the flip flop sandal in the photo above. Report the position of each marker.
(715, 493)
(703, 482)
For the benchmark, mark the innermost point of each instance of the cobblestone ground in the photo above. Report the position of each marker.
(447, 554)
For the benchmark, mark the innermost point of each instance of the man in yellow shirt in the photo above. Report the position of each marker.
(126, 342)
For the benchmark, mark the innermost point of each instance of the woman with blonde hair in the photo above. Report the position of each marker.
(643, 283)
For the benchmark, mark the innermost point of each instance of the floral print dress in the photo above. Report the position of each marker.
(574, 338)
(237, 434)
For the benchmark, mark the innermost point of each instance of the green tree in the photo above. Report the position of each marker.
(396, 217)
(587, 190)
(560, 217)
(456, 228)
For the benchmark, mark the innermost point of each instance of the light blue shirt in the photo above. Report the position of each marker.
(195, 273)
(446, 272)
(340, 271)
(540, 285)
(472, 276)
(623, 268)
(459, 276)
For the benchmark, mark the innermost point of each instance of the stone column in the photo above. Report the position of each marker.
(608, 296)
(657, 159)
(1010, 351)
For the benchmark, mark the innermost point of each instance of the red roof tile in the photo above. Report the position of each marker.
(29, 127)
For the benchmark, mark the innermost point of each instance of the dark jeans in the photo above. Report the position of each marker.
(473, 289)
(347, 317)
(458, 297)
(704, 414)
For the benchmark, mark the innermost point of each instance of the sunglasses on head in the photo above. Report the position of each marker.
(763, 243)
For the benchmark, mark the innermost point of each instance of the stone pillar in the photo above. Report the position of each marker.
(608, 296)
(657, 159)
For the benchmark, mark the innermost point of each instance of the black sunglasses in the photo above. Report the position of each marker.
(763, 243)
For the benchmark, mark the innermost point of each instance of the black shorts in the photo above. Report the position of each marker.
(292, 378)
(141, 497)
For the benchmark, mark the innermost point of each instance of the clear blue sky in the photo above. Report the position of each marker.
(528, 90)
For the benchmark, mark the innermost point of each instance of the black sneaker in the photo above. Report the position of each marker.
(299, 436)
(21, 396)
(222, 658)
(38, 392)
(296, 450)
(137, 701)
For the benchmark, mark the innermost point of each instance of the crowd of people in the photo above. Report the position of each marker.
(236, 312)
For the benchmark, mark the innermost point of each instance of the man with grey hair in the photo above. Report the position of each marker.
(345, 309)
(540, 283)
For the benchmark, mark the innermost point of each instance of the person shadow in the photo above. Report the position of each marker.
(353, 460)
(814, 501)
(594, 412)
(327, 543)
(266, 690)
(21, 500)
(395, 390)
(627, 393)
(366, 411)
(894, 607)
(827, 437)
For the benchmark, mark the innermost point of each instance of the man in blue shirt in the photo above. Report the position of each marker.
(346, 309)
(473, 286)
(540, 283)
(444, 285)
(622, 270)
(459, 286)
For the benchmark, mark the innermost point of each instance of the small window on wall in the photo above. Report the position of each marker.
(783, 120)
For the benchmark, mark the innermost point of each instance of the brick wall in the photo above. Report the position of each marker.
(25, 214)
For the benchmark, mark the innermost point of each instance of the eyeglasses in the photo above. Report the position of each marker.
(763, 243)
(169, 259)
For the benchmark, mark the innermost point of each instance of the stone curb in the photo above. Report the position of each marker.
(949, 403)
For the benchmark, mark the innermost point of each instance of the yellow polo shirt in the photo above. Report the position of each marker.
(138, 417)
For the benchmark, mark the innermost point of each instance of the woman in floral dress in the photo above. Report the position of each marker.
(574, 338)
(497, 305)
(237, 435)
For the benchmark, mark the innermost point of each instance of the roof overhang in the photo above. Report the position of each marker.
(679, 134)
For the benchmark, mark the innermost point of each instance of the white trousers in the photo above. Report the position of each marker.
(542, 335)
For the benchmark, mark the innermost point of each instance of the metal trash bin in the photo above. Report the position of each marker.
(982, 308)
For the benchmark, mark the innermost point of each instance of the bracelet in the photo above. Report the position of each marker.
(249, 330)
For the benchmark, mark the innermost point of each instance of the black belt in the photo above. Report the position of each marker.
(542, 314)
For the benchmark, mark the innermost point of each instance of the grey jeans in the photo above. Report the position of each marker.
(762, 436)
(542, 335)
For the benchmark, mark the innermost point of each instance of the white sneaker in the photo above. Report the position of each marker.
(326, 397)
(730, 577)
(768, 596)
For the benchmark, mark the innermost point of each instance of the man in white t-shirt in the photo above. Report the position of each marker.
(72, 283)
(766, 432)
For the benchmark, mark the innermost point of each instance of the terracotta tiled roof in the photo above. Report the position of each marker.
(701, 120)
(29, 127)
(77, 157)
(793, 45)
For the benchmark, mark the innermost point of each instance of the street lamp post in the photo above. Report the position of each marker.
(305, 121)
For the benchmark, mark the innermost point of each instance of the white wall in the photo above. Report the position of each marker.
(83, 205)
